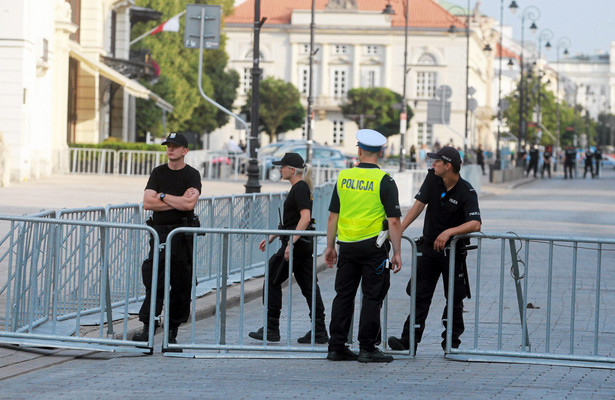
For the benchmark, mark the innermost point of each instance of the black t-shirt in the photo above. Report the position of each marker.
(446, 209)
(299, 198)
(534, 154)
(588, 158)
(174, 182)
(389, 196)
(547, 156)
(571, 156)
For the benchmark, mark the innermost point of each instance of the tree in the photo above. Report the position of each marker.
(375, 108)
(280, 108)
(178, 83)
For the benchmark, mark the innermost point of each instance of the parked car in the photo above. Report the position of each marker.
(322, 156)
(608, 161)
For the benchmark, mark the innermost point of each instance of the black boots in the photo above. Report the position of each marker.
(273, 335)
(143, 336)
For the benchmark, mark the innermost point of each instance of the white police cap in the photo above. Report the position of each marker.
(370, 140)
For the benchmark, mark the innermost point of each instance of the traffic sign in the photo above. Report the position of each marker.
(211, 30)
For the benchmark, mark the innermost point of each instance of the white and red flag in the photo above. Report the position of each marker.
(172, 25)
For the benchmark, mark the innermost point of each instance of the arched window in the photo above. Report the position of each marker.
(427, 59)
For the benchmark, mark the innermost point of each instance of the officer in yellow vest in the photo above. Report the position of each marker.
(365, 199)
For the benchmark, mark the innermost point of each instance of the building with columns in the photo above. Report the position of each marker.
(359, 46)
(60, 81)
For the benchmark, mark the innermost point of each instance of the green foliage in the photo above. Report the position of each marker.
(376, 108)
(115, 144)
(178, 83)
(571, 123)
(280, 108)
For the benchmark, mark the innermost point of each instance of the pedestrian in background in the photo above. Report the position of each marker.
(570, 160)
(533, 165)
(480, 158)
(452, 209)
(364, 202)
(546, 163)
(297, 216)
(172, 192)
(598, 159)
(589, 163)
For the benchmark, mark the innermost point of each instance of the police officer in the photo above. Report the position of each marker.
(534, 153)
(570, 159)
(172, 192)
(598, 158)
(589, 163)
(546, 163)
(452, 210)
(365, 199)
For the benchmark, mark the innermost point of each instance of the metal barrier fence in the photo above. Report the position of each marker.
(228, 332)
(77, 249)
(58, 277)
(555, 308)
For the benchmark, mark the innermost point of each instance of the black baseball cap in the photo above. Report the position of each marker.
(448, 154)
(292, 160)
(176, 138)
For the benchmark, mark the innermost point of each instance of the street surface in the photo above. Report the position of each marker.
(542, 206)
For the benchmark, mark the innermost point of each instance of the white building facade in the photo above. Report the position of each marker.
(362, 47)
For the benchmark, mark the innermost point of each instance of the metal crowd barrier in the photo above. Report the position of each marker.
(555, 307)
(57, 264)
(58, 277)
(228, 333)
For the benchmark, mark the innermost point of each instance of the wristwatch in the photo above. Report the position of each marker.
(162, 196)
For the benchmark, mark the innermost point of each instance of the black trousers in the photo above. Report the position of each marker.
(302, 270)
(181, 278)
(568, 170)
(546, 167)
(589, 167)
(533, 165)
(359, 262)
(430, 265)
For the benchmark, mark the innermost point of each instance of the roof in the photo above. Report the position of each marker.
(503, 52)
(423, 13)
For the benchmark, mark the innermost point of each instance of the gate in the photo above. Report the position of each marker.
(553, 306)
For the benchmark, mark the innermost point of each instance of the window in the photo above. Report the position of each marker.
(338, 132)
(304, 81)
(246, 81)
(339, 49)
(305, 48)
(338, 83)
(425, 134)
(370, 77)
(425, 84)
(371, 50)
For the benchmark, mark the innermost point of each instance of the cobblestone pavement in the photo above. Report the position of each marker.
(575, 208)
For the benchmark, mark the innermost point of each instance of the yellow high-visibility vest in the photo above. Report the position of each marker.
(361, 211)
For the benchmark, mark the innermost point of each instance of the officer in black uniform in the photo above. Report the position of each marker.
(172, 192)
(546, 163)
(598, 158)
(570, 159)
(533, 165)
(589, 163)
(364, 201)
(452, 209)
(521, 161)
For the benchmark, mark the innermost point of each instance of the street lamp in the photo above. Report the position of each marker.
(547, 35)
(403, 116)
(467, 32)
(498, 160)
(310, 99)
(565, 43)
(532, 13)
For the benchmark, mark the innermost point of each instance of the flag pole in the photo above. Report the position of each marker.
(156, 27)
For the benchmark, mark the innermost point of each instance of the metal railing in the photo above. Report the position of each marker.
(554, 308)
(228, 331)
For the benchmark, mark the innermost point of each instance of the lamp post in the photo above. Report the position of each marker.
(310, 99)
(403, 116)
(565, 43)
(498, 160)
(532, 13)
(547, 35)
(467, 33)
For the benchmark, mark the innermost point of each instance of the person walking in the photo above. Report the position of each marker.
(480, 158)
(364, 203)
(172, 192)
(297, 216)
(452, 209)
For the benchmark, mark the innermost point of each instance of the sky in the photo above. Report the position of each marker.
(589, 24)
